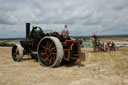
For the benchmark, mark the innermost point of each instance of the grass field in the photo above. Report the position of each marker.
(99, 68)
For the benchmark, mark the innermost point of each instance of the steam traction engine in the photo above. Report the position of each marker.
(49, 48)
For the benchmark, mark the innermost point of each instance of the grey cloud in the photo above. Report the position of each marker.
(82, 16)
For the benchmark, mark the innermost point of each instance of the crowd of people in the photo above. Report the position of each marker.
(109, 46)
(102, 46)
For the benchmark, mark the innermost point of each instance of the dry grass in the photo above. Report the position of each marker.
(99, 69)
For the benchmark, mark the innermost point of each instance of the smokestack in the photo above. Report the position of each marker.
(27, 30)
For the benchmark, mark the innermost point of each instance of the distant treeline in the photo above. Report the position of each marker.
(101, 36)
(6, 44)
(77, 37)
(12, 38)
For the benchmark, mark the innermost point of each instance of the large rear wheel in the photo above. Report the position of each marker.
(50, 51)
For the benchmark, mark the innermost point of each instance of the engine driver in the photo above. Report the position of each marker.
(64, 34)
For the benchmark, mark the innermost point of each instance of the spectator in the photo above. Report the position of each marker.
(113, 46)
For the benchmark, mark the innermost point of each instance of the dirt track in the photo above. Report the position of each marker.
(97, 70)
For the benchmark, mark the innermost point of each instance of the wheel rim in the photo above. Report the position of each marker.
(47, 52)
(15, 53)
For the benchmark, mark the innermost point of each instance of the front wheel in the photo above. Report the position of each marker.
(17, 53)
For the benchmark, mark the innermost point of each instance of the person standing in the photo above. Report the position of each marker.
(94, 42)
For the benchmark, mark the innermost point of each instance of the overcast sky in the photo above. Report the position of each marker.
(83, 17)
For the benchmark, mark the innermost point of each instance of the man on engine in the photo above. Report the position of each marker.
(64, 34)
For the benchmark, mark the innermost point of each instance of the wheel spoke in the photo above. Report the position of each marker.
(50, 61)
(47, 44)
(51, 45)
(53, 48)
(45, 48)
(53, 53)
(17, 56)
(43, 53)
(53, 58)
(17, 51)
(45, 59)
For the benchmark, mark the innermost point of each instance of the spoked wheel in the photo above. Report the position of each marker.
(50, 51)
(17, 53)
